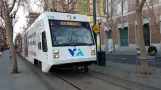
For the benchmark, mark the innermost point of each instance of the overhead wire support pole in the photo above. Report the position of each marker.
(94, 12)
(94, 23)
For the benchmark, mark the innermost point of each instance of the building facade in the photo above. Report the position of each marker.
(125, 34)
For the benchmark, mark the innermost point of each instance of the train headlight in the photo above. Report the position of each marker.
(56, 54)
(69, 17)
(93, 51)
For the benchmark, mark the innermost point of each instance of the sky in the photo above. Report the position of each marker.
(22, 13)
(21, 21)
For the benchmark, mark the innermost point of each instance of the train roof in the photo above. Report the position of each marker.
(64, 16)
(60, 16)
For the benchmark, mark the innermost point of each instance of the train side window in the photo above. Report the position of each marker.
(39, 45)
(44, 42)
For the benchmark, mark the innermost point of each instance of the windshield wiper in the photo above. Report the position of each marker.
(79, 44)
(65, 44)
(74, 44)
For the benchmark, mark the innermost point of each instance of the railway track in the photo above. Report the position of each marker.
(80, 81)
(67, 81)
(88, 82)
(111, 82)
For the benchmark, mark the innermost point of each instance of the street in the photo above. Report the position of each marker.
(130, 59)
(62, 80)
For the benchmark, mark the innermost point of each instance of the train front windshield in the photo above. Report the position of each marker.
(70, 33)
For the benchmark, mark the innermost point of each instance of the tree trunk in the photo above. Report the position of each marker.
(9, 31)
(144, 66)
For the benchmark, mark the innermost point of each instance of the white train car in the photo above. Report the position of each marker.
(60, 40)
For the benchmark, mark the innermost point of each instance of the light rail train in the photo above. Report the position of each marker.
(59, 40)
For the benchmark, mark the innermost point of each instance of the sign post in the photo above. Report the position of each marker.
(101, 56)
(95, 29)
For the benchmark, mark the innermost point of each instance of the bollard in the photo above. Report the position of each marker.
(101, 58)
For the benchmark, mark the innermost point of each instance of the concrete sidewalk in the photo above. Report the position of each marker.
(130, 72)
(26, 80)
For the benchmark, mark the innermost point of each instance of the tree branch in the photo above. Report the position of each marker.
(141, 3)
(1, 13)
(3, 9)
(11, 8)
(148, 7)
(107, 26)
(13, 15)
(70, 2)
(136, 3)
(158, 23)
(148, 19)
(73, 6)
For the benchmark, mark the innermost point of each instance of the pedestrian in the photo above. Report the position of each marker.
(2, 49)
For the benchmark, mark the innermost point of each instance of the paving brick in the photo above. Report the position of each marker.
(130, 72)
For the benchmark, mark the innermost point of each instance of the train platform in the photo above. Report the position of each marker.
(130, 72)
(25, 80)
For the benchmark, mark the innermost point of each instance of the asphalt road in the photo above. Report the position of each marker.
(130, 59)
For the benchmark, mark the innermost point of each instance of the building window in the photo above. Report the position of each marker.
(124, 36)
(146, 32)
(149, 2)
(109, 34)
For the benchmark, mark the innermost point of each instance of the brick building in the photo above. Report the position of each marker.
(126, 40)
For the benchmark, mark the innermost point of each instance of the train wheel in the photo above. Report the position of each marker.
(86, 69)
(75, 69)
(39, 64)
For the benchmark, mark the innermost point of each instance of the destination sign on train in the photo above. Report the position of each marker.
(69, 23)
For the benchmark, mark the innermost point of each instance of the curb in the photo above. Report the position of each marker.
(157, 56)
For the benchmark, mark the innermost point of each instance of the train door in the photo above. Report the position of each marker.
(23, 47)
(26, 46)
(44, 49)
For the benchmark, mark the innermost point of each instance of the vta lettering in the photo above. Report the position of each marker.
(78, 52)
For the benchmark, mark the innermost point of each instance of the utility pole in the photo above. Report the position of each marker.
(94, 23)
(94, 12)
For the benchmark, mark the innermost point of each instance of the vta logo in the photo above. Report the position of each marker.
(79, 52)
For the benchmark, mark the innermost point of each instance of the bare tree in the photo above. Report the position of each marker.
(151, 9)
(3, 34)
(60, 5)
(138, 8)
(68, 6)
(110, 18)
(8, 10)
